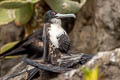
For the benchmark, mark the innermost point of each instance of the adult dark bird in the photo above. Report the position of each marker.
(57, 40)
(30, 45)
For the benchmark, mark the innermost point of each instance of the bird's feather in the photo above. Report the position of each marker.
(64, 43)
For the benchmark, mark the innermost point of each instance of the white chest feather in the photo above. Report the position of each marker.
(55, 31)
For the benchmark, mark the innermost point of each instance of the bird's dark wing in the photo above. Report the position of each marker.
(33, 43)
(14, 50)
(64, 43)
(37, 34)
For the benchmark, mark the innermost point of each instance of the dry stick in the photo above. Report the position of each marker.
(12, 76)
(47, 67)
(66, 62)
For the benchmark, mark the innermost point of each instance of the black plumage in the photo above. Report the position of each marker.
(64, 43)
(31, 44)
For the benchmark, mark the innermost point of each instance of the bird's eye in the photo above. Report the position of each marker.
(53, 13)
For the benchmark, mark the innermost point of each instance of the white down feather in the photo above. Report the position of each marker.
(55, 31)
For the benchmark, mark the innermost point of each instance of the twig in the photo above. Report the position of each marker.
(47, 67)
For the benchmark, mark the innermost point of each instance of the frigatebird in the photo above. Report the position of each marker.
(56, 39)
(31, 45)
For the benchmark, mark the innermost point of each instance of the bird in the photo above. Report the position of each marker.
(31, 45)
(56, 39)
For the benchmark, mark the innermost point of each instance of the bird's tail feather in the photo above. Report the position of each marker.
(14, 52)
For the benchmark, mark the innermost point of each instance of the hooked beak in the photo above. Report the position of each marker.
(58, 15)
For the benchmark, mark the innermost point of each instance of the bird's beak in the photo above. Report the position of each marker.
(58, 15)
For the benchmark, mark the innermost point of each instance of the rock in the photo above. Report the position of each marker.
(9, 33)
(109, 67)
(97, 26)
(107, 61)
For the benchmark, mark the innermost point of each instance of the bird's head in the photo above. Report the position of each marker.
(49, 15)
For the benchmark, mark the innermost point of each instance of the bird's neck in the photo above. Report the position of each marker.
(56, 21)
